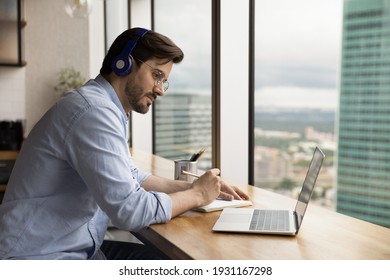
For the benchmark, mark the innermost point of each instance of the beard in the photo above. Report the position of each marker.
(136, 98)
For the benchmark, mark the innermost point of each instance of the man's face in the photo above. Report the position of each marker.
(141, 88)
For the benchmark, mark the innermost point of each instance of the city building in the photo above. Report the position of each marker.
(363, 173)
(183, 127)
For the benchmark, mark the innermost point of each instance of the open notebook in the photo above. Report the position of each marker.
(220, 204)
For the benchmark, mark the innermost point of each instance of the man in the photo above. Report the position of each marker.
(74, 172)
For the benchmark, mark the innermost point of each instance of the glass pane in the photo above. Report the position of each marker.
(183, 115)
(363, 174)
(296, 92)
(9, 32)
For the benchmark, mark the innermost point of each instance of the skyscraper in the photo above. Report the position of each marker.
(363, 176)
(183, 126)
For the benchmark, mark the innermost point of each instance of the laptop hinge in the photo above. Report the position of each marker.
(296, 221)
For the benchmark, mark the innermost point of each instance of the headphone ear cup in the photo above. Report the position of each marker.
(122, 65)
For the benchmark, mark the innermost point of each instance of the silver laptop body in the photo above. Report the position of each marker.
(273, 221)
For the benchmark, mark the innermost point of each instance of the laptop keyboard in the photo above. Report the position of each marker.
(273, 220)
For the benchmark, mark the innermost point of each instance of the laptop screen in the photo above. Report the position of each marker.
(308, 185)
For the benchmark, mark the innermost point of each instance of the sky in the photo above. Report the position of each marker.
(298, 47)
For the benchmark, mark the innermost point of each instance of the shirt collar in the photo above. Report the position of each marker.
(110, 90)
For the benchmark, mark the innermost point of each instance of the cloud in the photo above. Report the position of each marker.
(296, 76)
(188, 24)
(298, 44)
(295, 97)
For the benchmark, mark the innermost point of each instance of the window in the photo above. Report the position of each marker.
(363, 142)
(182, 118)
(296, 92)
(321, 78)
(11, 33)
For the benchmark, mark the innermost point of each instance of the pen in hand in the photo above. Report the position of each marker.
(190, 174)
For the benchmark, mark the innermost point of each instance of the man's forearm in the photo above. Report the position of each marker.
(159, 184)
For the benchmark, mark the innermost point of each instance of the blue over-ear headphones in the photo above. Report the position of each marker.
(122, 64)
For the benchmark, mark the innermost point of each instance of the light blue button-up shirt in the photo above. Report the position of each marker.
(73, 174)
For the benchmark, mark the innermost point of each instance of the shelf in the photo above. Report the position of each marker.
(7, 155)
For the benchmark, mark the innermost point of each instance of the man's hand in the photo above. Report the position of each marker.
(208, 186)
(232, 192)
(203, 191)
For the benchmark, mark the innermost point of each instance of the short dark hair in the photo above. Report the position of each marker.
(151, 45)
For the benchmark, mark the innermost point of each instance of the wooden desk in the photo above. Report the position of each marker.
(323, 235)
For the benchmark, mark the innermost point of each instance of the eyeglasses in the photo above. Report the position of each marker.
(158, 76)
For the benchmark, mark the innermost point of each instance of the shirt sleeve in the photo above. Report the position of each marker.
(96, 147)
(138, 174)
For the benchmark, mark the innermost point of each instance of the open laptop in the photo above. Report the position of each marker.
(273, 221)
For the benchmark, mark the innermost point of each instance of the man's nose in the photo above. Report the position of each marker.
(159, 90)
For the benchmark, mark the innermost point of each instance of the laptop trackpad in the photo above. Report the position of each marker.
(235, 218)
